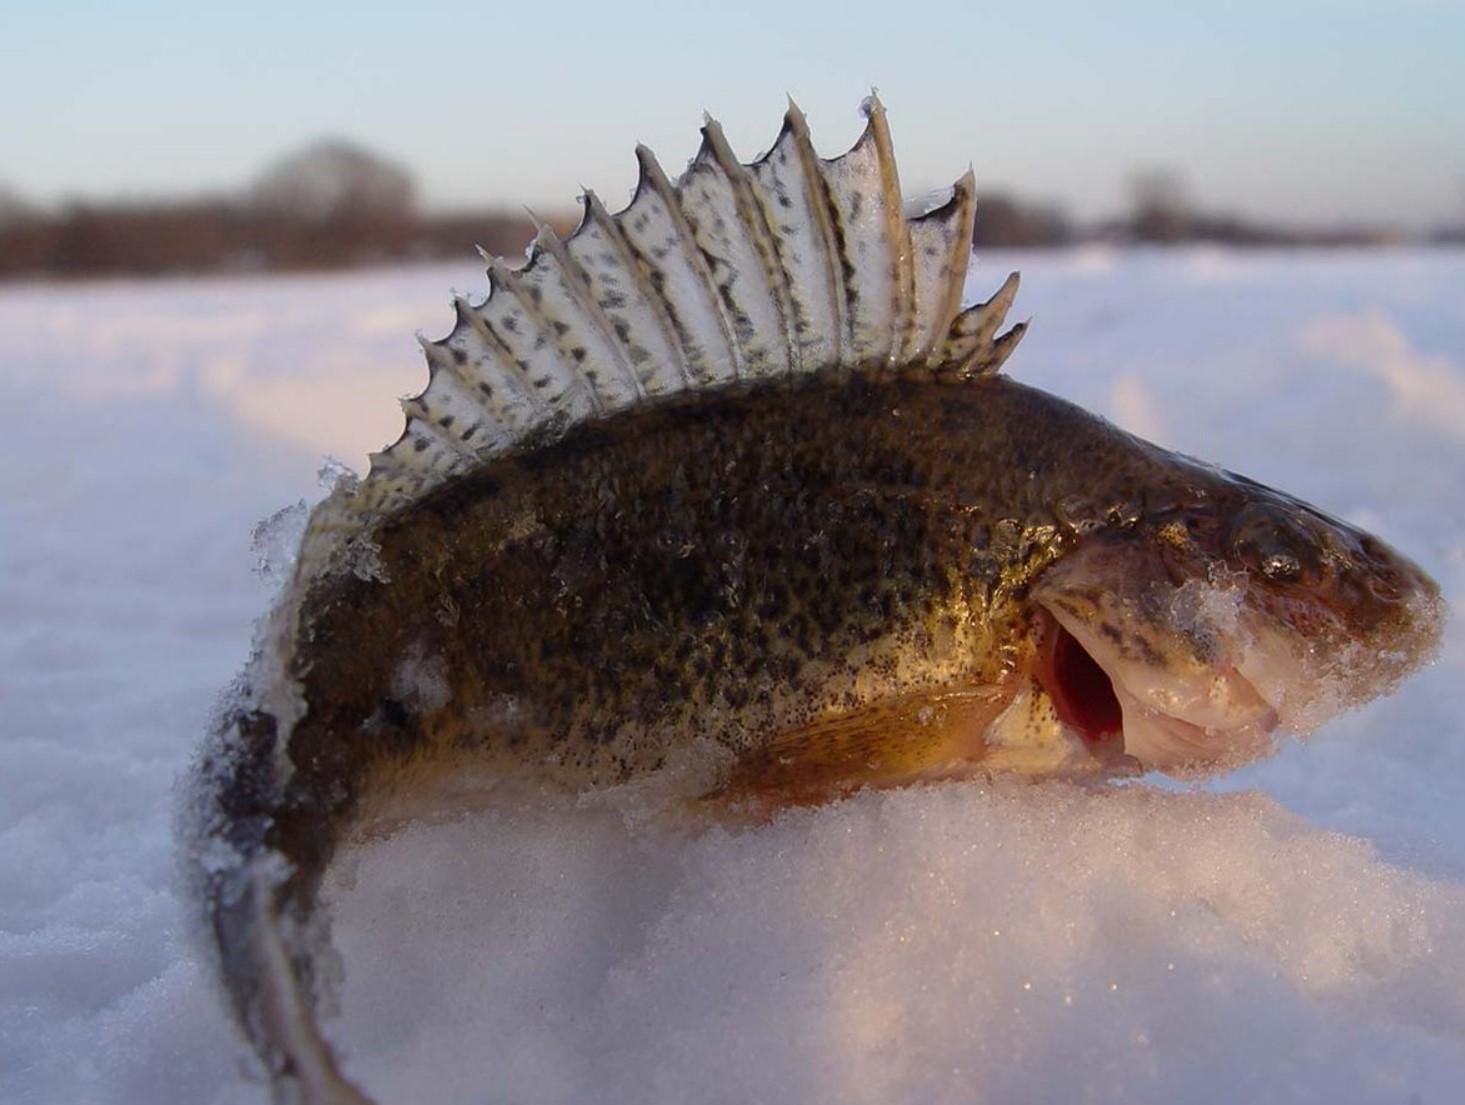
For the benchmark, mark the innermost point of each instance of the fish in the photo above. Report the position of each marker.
(727, 490)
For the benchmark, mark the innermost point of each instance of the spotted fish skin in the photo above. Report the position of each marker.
(738, 565)
(731, 475)
(731, 566)
(735, 565)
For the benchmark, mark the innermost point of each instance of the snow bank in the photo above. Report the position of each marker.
(945, 944)
(958, 943)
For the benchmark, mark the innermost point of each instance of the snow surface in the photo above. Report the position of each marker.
(1294, 932)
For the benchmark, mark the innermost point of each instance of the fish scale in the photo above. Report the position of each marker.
(728, 478)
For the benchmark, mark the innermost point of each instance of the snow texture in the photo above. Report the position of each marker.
(1294, 931)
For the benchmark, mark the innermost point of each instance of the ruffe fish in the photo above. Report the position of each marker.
(730, 478)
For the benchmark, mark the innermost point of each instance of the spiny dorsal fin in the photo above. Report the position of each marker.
(789, 265)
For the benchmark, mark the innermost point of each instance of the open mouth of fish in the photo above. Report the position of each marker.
(1159, 721)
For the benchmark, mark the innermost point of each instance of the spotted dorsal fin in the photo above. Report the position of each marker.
(732, 274)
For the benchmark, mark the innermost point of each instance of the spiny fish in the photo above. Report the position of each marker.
(730, 478)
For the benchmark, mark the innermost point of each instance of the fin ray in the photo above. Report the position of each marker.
(657, 230)
(620, 286)
(791, 264)
(792, 192)
(730, 233)
(864, 195)
(925, 734)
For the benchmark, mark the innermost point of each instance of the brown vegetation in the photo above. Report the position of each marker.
(331, 205)
(212, 236)
(1006, 222)
(335, 205)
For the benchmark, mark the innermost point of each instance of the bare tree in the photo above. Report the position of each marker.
(1004, 221)
(13, 209)
(332, 180)
(1161, 211)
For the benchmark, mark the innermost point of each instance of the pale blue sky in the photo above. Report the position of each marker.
(1312, 109)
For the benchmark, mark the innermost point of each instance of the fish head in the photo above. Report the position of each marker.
(1221, 614)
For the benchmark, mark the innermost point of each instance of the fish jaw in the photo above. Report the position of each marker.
(1184, 721)
(1201, 665)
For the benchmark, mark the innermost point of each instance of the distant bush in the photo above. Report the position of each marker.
(219, 236)
(330, 181)
(1005, 222)
(328, 205)
(333, 204)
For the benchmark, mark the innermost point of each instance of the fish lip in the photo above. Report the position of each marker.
(1212, 748)
(1167, 740)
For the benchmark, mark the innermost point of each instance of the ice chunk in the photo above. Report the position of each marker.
(334, 473)
(276, 541)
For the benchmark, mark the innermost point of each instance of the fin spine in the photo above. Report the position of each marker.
(735, 272)
(596, 217)
(822, 204)
(655, 178)
(754, 216)
(960, 212)
(897, 234)
(508, 368)
(549, 246)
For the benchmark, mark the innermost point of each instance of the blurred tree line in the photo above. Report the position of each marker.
(333, 205)
(330, 205)
(1162, 213)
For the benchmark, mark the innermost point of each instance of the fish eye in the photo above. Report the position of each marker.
(1270, 543)
(1283, 567)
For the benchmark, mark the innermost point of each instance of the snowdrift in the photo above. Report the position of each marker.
(1294, 932)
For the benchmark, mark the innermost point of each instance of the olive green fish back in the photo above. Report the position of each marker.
(732, 274)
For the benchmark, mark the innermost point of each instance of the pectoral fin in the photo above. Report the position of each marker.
(928, 734)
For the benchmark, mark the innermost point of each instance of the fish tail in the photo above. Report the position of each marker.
(256, 885)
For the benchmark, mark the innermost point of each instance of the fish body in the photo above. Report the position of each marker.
(835, 550)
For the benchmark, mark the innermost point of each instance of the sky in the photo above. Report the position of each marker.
(1310, 111)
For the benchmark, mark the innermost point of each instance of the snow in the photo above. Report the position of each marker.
(1294, 931)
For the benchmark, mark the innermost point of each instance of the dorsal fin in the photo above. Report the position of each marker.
(732, 273)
